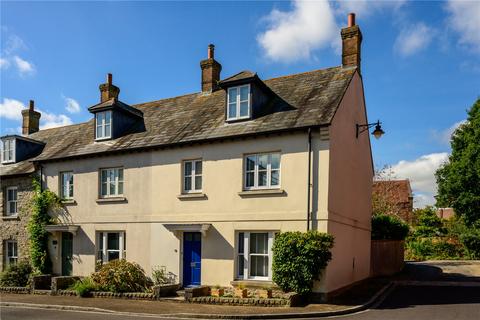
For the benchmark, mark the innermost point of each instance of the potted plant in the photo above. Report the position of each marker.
(217, 291)
(240, 291)
(265, 293)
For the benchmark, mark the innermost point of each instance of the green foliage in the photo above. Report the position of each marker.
(16, 275)
(433, 248)
(159, 275)
(298, 259)
(84, 287)
(471, 241)
(121, 276)
(42, 202)
(388, 227)
(458, 180)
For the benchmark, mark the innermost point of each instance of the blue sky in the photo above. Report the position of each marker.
(420, 60)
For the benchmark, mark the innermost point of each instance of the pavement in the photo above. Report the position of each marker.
(422, 292)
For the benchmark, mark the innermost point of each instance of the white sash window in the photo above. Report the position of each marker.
(254, 255)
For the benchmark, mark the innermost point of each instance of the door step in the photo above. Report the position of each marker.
(181, 293)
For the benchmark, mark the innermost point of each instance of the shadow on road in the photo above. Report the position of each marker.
(410, 296)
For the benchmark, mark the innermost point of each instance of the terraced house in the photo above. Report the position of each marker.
(202, 183)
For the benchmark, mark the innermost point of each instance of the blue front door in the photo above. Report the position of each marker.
(192, 257)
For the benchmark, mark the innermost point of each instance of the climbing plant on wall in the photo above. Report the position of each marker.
(42, 202)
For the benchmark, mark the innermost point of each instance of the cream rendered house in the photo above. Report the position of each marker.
(202, 183)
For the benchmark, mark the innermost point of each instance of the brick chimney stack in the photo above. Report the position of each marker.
(108, 90)
(210, 71)
(351, 43)
(31, 119)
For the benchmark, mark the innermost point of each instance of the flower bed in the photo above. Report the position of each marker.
(21, 290)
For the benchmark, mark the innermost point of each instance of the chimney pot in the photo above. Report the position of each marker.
(109, 79)
(211, 51)
(31, 105)
(351, 19)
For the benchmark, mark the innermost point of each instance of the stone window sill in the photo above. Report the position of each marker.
(262, 193)
(192, 196)
(111, 200)
(15, 217)
(68, 201)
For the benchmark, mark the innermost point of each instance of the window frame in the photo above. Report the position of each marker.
(10, 150)
(9, 202)
(102, 246)
(72, 184)
(15, 249)
(246, 254)
(256, 171)
(192, 175)
(238, 103)
(103, 125)
(107, 183)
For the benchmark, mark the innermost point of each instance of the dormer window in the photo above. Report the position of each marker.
(103, 121)
(8, 150)
(239, 102)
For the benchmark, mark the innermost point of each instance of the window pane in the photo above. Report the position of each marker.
(250, 179)
(241, 242)
(251, 163)
(275, 161)
(241, 264)
(244, 93)
(120, 187)
(232, 95)
(258, 243)
(243, 109)
(113, 255)
(99, 132)
(188, 168)
(198, 183)
(198, 167)
(262, 162)
(259, 266)
(108, 130)
(112, 187)
(104, 189)
(112, 241)
(262, 178)
(275, 178)
(188, 183)
(100, 240)
(120, 174)
(108, 117)
(232, 110)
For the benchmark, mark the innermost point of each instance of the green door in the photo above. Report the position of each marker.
(67, 250)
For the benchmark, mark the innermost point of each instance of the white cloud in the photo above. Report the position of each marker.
(13, 44)
(444, 136)
(4, 63)
(413, 39)
(51, 120)
(464, 18)
(24, 67)
(364, 8)
(11, 109)
(71, 105)
(421, 173)
(294, 35)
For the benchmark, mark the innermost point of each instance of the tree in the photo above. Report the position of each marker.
(459, 179)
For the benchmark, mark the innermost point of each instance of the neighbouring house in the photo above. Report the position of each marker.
(202, 183)
(445, 213)
(16, 189)
(393, 197)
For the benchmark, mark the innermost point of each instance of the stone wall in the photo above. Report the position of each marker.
(15, 228)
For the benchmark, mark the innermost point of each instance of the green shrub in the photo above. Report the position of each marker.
(471, 241)
(16, 275)
(388, 227)
(427, 217)
(159, 275)
(121, 276)
(298, 259)
(84, 287)
(432, 248)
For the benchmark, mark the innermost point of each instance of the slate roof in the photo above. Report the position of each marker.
(246, 74)
(19, 168)
(313, 98)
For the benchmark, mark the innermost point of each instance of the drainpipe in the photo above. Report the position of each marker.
(41, 177)
(309, 176)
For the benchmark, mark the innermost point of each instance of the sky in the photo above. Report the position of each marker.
(420, 61)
